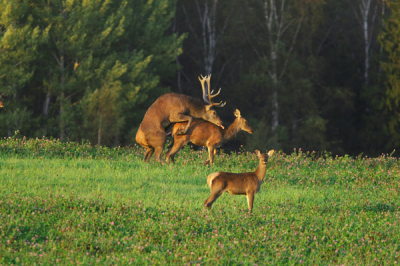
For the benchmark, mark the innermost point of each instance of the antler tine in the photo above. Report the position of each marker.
(212, 96)
(205, 92)
(207, 95)
(220, 104)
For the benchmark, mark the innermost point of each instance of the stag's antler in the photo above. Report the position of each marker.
(207, 95)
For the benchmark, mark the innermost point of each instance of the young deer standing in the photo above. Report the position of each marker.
(238, 183)
(204, 133)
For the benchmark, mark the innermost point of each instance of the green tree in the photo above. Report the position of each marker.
(390, 41)
(19, 40)
(89, 64)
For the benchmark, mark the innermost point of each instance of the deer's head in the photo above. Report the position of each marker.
(242, 122)
(264, 157)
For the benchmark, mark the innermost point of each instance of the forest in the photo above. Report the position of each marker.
(316, 75)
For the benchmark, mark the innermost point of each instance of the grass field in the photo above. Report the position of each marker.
(69, 203)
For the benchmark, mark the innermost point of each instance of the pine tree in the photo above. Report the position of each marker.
(19, 40)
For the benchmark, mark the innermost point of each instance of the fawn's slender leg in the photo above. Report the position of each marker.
(250, 200)
(212, 198)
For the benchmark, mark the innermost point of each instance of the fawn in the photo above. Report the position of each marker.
(204, 133)
(238, 183)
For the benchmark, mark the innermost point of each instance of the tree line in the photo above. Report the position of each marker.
(311, 74)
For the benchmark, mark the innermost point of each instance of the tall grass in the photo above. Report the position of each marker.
(70, 203)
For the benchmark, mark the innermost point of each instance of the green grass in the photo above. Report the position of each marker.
(69, 203)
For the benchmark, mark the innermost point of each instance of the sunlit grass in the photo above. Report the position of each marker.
(69, 203)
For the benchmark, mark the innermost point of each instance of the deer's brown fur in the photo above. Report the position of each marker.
(238, 183)
(173, 108)
(203, 133)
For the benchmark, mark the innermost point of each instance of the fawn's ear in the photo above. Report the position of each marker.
(271, 152)
(257, 152)
(237, 113)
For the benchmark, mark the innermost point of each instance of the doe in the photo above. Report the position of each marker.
(204, 133)
(238, 183)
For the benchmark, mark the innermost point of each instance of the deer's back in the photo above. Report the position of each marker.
(167, 105)
(233, 183)
(200, 132)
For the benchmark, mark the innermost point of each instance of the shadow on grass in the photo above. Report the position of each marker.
(380, 207)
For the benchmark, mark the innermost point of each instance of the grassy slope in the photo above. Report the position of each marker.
(68, 203)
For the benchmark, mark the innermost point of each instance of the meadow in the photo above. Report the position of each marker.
(71, 203)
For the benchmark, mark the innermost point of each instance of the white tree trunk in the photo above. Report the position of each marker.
(277, 23)
(209, 33)
(365, 8)
(367, 20)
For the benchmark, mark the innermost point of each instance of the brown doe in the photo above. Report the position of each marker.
(203, 133)
(173, 108)
(238, 183)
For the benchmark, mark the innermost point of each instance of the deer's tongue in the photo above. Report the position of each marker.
(222, 127)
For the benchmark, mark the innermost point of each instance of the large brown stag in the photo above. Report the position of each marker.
(173, 108)
(203, 133)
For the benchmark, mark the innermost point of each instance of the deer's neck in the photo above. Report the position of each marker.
(196, 107)
(231, 131)
(260, 171)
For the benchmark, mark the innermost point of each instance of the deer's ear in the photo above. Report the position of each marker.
(271, 152)
(237, 113)
(258, 153)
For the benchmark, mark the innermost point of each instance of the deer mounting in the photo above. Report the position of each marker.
(238, 183)
(203, 133)
(207, 95)
(172, 108)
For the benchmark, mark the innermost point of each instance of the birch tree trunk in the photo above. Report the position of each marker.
(367, 24)
(210, 34)
(99, 136)
(62, 99)
(209, 31)
(276, 24)
(46, 106)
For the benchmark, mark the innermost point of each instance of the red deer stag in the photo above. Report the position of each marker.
(173, 108)
(238, 183)
(203, 133)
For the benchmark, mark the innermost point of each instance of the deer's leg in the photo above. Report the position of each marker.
(182, 118)
(158, 140)
(157, 154)
(212, 198)
(148, 154)
(211, 153)
(179, 142)
(250, 200)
